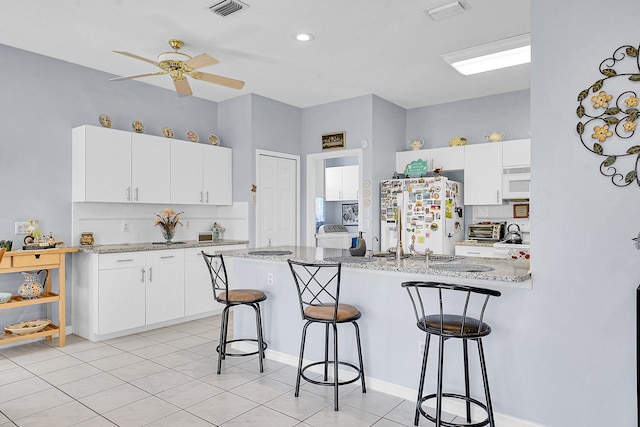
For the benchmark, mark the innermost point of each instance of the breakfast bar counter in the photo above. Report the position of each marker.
(392, 345)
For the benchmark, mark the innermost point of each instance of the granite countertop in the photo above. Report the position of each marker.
(502, 270)
(150, 246)
(474, 243)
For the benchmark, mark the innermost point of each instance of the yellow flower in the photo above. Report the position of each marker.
(630, 125)
(601, 100)
(631, 101)
(601, 133)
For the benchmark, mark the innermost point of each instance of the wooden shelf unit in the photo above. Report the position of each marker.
(30, 260)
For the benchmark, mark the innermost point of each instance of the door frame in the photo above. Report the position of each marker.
(314, 163)
(294, 157)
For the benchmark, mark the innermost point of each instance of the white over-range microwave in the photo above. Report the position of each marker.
(516, 183)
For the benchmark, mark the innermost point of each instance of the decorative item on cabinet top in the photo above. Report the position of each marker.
(192, 136)
(105, 120)
(167, 132)
(495, 137)
(137, 127)
(601, 121)
(457, 141)
(214, 140)
(416, 144)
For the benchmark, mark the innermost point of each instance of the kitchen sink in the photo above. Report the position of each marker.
(471, 268)
(270, 253)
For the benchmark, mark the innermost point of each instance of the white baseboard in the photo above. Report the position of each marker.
(451, 406)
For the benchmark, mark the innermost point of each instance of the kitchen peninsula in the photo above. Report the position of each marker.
(391, 342)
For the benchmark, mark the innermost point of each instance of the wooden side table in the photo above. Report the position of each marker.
(45, 259)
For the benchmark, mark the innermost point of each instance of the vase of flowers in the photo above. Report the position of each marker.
(167, 220)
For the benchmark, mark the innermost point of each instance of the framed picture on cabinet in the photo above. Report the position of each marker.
(350, 214)
(333, 141)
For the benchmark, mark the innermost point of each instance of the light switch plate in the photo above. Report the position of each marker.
(21, 227)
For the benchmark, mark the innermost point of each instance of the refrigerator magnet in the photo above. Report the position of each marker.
(434, 226)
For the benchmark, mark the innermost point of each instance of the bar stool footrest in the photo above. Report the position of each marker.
(331, 383)
(226, 353)
(460, 397)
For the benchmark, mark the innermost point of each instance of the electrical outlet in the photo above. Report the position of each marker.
(125, 227)
(186, 225)
(270, 278)
(21, 227)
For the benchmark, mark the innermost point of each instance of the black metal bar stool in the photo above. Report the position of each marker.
(232, 298)
(318, 288)
(446, 324)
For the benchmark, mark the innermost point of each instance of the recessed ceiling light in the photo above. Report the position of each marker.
(491, 56)
(304, 37)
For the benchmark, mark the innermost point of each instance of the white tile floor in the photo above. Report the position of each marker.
(167, 377)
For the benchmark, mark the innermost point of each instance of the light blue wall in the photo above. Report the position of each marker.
(41, 100)
(579, 365)
(472, 118)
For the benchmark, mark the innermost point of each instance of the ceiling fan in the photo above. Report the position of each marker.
(179, 65)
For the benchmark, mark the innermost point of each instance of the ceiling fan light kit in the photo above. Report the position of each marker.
(180, 65)
(498, 54)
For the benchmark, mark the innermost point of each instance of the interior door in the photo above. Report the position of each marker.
(277, 201)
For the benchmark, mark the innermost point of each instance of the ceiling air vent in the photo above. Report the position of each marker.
(445, 10)
(227, 7)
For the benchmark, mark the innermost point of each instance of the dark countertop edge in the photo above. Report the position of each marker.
(149, 246)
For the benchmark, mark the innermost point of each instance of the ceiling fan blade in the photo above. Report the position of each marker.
(132, 55)
(203, 60)
(212, 78)
(182, 86)
(157, 73)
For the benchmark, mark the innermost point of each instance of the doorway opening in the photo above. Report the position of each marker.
(333, 180)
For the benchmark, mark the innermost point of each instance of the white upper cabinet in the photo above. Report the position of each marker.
(101, 165)
(200, 174)
(110, 165)
(341, 183)
(483, 174)
(448, 158)
(217, 183)
(150, 164)
(516, 153)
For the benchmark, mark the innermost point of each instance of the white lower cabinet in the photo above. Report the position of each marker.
(198, 295)
(122, 293)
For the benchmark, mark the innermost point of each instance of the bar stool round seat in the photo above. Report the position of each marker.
(447, 326)
(232, 298)
(318, 288)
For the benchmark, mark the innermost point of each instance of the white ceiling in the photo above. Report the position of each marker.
(386, 47)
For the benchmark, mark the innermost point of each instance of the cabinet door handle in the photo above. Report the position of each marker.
(498, 196)
(150, 274)
(136, 198)
(129, 193)
(167, 257)
(474, 253)
(207, 197)
(201, 196)
(142, 276)
(125, 260)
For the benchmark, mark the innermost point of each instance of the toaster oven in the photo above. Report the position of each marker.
(487, 231)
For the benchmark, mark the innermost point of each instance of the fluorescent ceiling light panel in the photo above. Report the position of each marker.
(491, 56)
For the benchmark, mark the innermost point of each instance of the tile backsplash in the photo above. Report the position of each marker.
(107, 222)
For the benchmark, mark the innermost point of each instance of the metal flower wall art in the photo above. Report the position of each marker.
(608, 113)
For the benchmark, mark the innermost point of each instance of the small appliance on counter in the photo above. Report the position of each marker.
(514, 235)
(333, 236)
(487, 231)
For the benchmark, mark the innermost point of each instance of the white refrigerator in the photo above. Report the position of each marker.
(431, 211)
